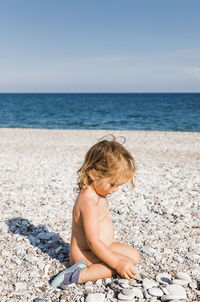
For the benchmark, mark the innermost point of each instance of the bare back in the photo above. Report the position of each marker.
(79, 244)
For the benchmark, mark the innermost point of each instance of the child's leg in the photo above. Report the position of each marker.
(126, 250)
(99, 270)
(96, 271)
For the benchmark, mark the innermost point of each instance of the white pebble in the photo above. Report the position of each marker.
(134, 291)
(178, 290)
(170, 297)
(148, 283)
(98, 282)
(193, 284)
(179, 281)
(183, 276)
(98, 297)
(155, 291)
(124, 297)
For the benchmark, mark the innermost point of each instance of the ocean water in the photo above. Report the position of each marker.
(114, 111)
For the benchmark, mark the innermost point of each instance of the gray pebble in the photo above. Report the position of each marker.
(149, 283)
(163, 278)
(155, 291)
(134, 291)
(44, 236)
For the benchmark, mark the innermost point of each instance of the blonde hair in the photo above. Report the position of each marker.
(110, 160)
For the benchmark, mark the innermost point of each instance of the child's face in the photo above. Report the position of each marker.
(103, 187)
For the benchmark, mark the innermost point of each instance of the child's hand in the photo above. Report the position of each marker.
(126, 269)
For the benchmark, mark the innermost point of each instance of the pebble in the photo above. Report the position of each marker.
(155, 291)
(134, 291)
(176, 289)
(165, 291)
(89, 285)
(193, 284)
(170, 297)
(108, 281)
(99, 282)
(148, 283)
(39, 300)
(163, 278)
(44, 236)
(97, 297)
(153, 299)
(183, 276)
(146, 294)
(123, 281)
(124, 297)
(179, 281)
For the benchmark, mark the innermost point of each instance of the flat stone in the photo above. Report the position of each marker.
(170, 298)
(165, 291)
(124, 297)
(39, 300)
(180, 281)
(124, 285)
(134, 291)
(44, 236)
(163, 278)
(177, 290)
(145, 293)
(183, 276)
(128, 292)
(153, 299)
(149, 283)
(98, 297)
(122, 281)
(155, 291)
(138, 293)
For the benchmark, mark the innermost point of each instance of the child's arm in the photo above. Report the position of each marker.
(89, 216)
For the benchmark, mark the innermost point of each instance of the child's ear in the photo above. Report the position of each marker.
(92, 174)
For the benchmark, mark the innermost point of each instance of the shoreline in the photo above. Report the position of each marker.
(160, 217)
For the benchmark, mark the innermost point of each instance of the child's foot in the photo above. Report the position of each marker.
(69, 275)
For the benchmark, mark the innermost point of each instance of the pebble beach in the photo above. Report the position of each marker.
(160, 217)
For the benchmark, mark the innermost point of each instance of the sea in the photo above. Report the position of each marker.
(113, 111)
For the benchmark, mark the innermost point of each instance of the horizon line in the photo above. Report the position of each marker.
(96, 92)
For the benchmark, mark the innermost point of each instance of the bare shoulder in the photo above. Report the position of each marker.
(85, 200)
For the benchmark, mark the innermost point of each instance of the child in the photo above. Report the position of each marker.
(94, 254)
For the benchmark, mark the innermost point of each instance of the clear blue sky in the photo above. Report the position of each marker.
(100, 46)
